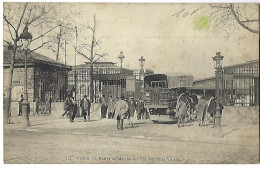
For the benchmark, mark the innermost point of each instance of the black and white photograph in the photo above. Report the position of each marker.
(130, 83)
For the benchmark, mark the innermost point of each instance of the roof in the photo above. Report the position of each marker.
(243, 64)
(204, 79)
(33, 57)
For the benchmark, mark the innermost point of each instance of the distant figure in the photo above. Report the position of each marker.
(121, 108)
(48, 106)
(20, 106)
(201, 108)
(110, 107)
(85, 106)
(117, 99)
(181, 110)
(68, 106)
(74, 109)
(131, 110)
(37, 105)
(212, 109)
(140, 109)
(103, 106)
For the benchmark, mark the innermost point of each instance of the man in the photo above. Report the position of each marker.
(201, 108)
(181, 110)
(140, 109)
(85, 106)
(103, 106)
(68, 106)
(110, 107)
(20, 106)
(121, 108)
(117, 99)
(212, 108)
(131, 110)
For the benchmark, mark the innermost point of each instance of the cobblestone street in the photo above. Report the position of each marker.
(98, 141)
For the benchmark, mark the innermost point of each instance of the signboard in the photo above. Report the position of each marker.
(130, 84)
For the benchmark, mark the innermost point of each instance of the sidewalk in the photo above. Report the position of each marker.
(234, 134)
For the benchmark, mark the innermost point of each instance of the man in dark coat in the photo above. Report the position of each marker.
(85, 107)
(131, 110)
(68, 106)
(20, 106)
(103, 102)
(140, 109)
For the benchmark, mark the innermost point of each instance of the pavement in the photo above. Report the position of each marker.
(234, 133)
(54, 140)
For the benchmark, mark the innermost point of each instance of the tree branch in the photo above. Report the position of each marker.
(9, 23)
(82, 54)
(21, 18)
(42, 35)
(241, 23)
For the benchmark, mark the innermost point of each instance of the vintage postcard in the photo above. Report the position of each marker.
(130, 83)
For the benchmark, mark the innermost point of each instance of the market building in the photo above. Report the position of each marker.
(45, 78)
(239, 84)
(109, 80)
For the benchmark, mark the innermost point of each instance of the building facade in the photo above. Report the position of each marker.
(239, 84)
(108, 80)
(45, 77)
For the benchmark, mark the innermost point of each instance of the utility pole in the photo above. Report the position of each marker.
(58, 50)
(66, 81)
(75, 73)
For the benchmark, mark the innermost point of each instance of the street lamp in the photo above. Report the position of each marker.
(218, 66)
(141, 63)
(121, 58)
(26, 39)
(141, 75)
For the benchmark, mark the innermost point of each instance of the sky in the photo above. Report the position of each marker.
(170, 43)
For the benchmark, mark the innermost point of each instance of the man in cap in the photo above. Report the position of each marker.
(85, 106)
(121, 108)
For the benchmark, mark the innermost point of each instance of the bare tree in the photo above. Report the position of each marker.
(246, 15)
(91, 52)
(39, 18)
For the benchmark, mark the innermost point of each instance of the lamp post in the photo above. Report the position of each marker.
(218, 66)
(141, 63)
(141, 74)
(121, 58)
(26, 39)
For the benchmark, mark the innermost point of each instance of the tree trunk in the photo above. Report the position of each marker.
(91, 83)
(9, 89)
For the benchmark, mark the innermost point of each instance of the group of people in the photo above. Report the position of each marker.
(121, 109)
(71, 108)
(118, 109)
(203, 111)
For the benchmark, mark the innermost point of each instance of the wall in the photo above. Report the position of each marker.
(18, 82)
(240, 115)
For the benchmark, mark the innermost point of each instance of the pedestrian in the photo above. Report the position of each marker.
(181, 110)
(212, 109)
(85, 107)
(37, 105)
(103, 107)
(74, 109)
(117, 99)
(110, 107)
(121, 108)
(20, 106)
(48, 105)
(131, 111)
(68, 106)
(201, 110)
(140, 109)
